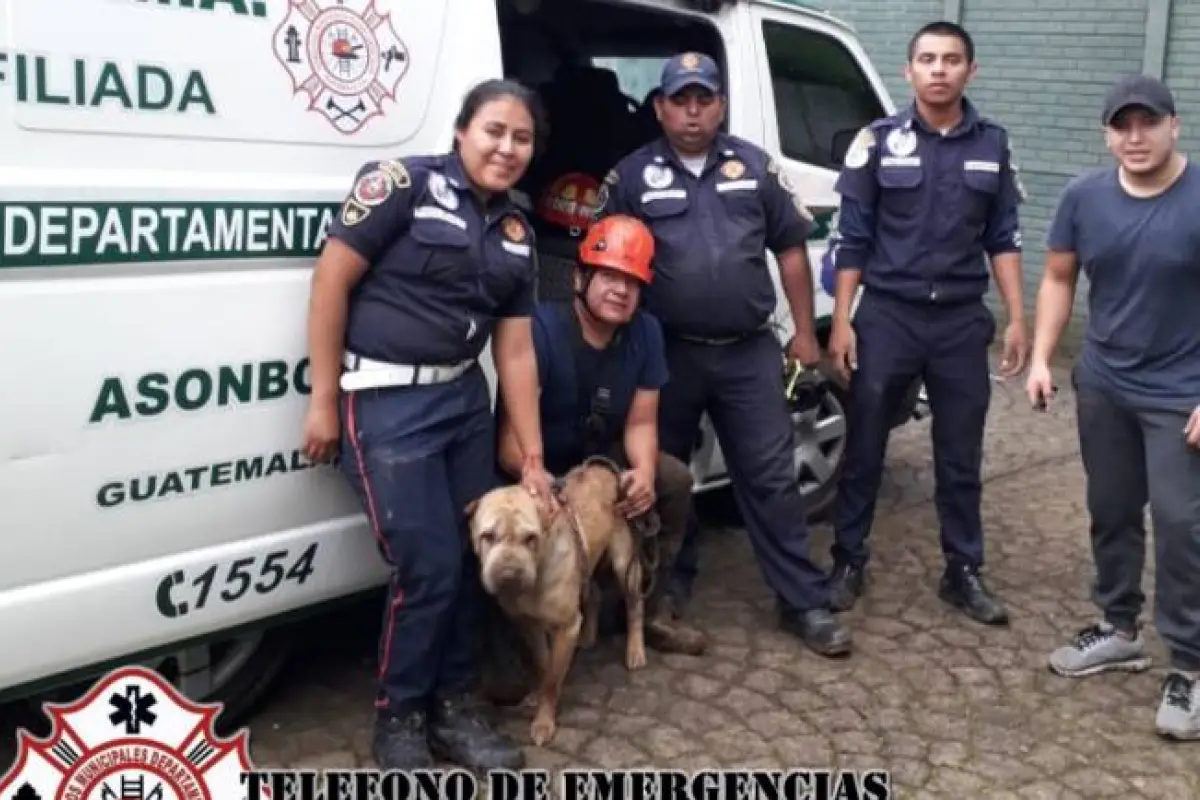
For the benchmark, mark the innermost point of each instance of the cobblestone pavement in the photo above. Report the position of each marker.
(951, 708)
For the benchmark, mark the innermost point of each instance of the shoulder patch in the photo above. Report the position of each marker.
(1016, 172)
(353, 213)
(859, 151)
(373, 188)
(398, 173)
(786, 183)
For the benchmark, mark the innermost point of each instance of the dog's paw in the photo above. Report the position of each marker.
(635, 658)
(543, 729)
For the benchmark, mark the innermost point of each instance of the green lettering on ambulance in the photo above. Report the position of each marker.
(195, 91)
(111, 400)
(146, 100)
(111, 495)
(240, 386)
(171, 484)
(278, 464)
(272, 380)
(248, 469)
(111, 85)
(236, 6)
(188, 398)
(41, 85)
(153, 387)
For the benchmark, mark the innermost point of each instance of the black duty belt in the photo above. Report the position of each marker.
(716, 341)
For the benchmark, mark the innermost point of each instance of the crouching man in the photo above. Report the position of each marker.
(601, 363)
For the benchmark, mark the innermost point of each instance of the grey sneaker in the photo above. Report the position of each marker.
(1099, 648)
(1179, 712)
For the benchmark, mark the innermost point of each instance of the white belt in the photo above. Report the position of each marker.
(367, 373)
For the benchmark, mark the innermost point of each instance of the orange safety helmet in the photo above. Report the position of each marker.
(620, 243)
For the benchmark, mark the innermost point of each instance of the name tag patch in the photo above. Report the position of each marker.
(433, 212)
(900, 161)
(982, 166)
(749, 184)
(664, 194)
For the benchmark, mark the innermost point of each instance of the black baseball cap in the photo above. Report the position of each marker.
(1138, 90)
(690, 69)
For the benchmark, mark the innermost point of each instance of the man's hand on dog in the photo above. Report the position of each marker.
(638, 486)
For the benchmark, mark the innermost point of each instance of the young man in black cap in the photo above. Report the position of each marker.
(1134, 230)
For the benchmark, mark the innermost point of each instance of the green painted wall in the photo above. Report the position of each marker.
(1044, 67)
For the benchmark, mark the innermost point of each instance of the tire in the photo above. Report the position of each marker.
(247, 666)
(818, 432)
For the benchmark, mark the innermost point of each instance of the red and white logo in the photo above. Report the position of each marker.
(133, 736)
(344, 55)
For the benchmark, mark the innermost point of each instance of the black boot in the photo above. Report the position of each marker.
(819, 629)
(846, 585)
(460, 733)
(962, 588)
(400, 741)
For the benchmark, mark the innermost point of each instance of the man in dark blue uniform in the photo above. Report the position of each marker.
(926, 194)
(715, 204)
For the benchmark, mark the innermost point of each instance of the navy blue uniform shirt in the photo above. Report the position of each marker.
(711, 232)
(641, 361)
(920, 209)
(442, 269)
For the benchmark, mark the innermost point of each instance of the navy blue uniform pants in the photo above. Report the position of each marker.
(741, 387)
(946, 347)
(416, 456)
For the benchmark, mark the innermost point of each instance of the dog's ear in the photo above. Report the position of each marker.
(471, 507)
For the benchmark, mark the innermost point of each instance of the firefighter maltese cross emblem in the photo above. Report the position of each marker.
(344, 56)
(133, 736)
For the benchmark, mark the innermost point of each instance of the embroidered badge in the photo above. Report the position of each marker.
(733, 169)
(514, 229)
(373, 188)
(442, 192)
(657, 176)
(902, 142)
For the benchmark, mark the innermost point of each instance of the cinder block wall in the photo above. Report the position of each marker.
(1044, 67)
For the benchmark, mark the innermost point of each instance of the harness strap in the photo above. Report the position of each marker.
(596, 427)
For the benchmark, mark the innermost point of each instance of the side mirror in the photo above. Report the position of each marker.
(841, 143)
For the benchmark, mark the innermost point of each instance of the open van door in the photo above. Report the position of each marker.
(818, 89)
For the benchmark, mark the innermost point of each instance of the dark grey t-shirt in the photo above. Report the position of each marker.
(1142, 261)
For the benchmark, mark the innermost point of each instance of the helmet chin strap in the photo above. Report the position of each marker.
(589, 273)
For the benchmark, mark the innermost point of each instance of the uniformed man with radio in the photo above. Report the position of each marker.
(927, 193)
(716, 204)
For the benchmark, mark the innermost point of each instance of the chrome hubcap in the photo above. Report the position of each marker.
(820, 442)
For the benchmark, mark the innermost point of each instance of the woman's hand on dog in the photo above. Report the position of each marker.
(539, 484)
(638, 485)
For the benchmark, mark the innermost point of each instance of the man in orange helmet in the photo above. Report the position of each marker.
(601, 365)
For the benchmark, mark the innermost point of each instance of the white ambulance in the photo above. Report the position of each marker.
(168, 169)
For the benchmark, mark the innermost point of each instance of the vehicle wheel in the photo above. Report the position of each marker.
(819, 428)
(819, 431)
(237, 672)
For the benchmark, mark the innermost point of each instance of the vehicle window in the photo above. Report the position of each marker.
(819, 91)
(637, 75)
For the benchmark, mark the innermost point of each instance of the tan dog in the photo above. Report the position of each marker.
(538, 565)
